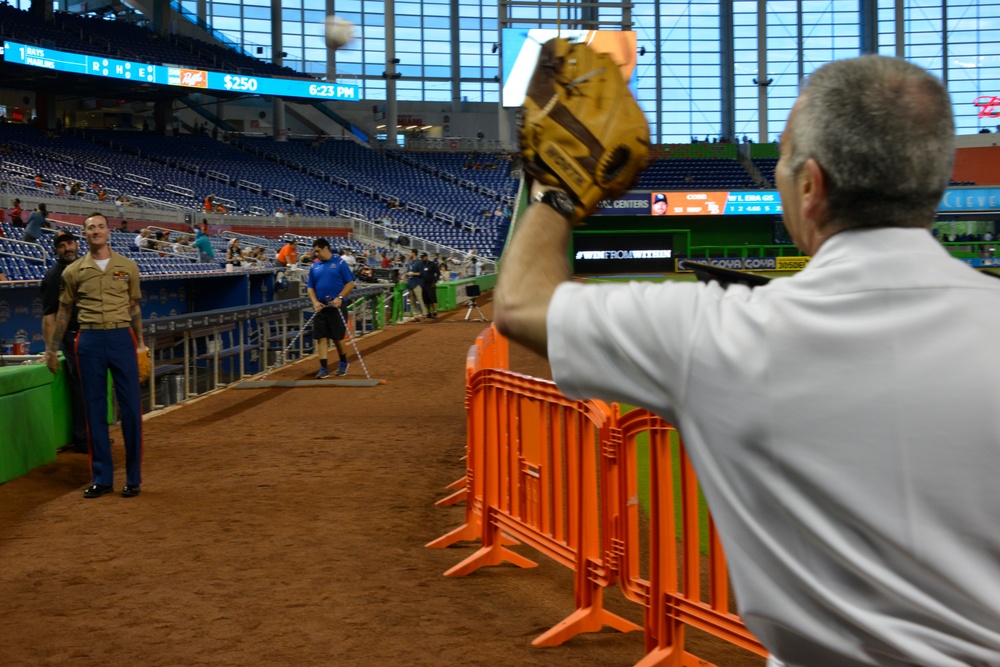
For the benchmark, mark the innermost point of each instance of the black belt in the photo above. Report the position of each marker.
(106, 325)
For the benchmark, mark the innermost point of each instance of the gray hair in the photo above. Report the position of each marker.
(882, 131)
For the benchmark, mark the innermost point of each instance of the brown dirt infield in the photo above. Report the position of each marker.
(286, 526)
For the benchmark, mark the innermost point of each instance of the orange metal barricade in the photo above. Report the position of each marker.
(561, 476)
(489, 351)
(541, 488)
(675, 595)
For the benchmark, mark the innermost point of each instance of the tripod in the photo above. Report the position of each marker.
(474, 306)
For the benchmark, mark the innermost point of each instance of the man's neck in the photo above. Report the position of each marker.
(100, 252)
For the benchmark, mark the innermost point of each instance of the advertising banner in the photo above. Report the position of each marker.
(791, 263)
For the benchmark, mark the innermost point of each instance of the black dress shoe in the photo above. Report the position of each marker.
(97, 490)
(130, 490)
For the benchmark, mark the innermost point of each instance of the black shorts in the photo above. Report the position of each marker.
(430, 294)
(330, 324)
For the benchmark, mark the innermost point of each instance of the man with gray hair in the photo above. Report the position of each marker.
(842, 421)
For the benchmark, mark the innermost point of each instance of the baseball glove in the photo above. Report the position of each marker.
(581, 130)
(145, 365)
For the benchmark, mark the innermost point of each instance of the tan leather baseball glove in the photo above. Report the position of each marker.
(581, 129)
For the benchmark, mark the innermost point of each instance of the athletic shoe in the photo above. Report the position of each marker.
(322, 374)
(342, 368)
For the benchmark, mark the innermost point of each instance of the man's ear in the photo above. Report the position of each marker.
(812, 184)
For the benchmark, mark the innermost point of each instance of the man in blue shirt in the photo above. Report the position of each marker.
(330, 281)
(36, 221)
(204, 246)
(415, 285)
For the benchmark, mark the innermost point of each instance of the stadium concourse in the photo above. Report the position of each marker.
(287, 526)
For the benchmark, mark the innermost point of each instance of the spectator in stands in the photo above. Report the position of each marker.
(386, 262)
(123, 226)
(204, 245)
(348, 256)
(234, 254)
(36, 222)
(454, 265)
(40, 181)
(414, 284)
(102, 195)
(209, 203)
(95, 186)
(202, 228)
(15, 214)
(280, 213)
(142, 239)
(288, 255)
(60, 190)
(74, 189)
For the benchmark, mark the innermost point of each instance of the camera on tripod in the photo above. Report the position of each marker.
(472, 291)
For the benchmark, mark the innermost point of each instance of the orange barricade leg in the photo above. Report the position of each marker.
(493, 552)
(591, 618)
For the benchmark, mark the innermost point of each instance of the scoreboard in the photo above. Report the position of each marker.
(170, 75)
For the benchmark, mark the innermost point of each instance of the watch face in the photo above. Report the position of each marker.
(560, 201)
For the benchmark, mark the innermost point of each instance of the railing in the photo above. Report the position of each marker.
(562, 477)
(364, 189)
(250, 185)
(282, 195)
(218, 176)
(99, 168)
(253, 336)
(18, 168)
(316, 205)
(178, 190)
(189, 167)
(136, 178)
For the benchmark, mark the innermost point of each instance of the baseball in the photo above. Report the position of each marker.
(338, 32)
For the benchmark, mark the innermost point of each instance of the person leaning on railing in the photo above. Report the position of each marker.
(849, 464)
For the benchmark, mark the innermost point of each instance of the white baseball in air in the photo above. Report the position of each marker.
(338, 32)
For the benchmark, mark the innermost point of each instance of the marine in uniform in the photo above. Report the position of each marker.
(104, 285)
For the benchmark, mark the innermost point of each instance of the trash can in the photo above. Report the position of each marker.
(171, 390)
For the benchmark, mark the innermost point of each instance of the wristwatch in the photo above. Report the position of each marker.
(558, 200)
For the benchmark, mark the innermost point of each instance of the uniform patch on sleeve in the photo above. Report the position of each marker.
(120, 275)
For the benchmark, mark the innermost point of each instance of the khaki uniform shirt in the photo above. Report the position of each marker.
(103, 297)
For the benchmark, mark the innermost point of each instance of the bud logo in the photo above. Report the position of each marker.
(192, 78)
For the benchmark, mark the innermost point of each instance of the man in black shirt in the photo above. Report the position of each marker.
(67, 250)
(430, 273)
